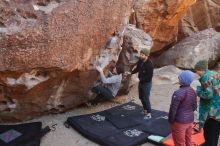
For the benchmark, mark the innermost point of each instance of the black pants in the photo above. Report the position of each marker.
(144, 95)
(105, 92)
(102, 93)
(211, 132)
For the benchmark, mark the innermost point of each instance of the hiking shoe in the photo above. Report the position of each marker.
(144, 112)
(91, 103)
(88, 104)
(147, 116)
(196, 127)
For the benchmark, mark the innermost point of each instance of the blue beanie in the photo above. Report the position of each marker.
(186, 77)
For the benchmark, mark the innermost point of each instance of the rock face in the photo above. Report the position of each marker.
(166, 75)
(185, 54)
(133, 41)
(160, 19)
(57, 34)
(48, 49)
(202, 15)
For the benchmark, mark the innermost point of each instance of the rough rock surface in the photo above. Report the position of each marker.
(202, 15)
(65, 34)
(133, 41)
(185, 54)
(48, 49)
(160, 19)
(166, 75)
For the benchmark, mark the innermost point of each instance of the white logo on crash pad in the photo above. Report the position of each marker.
(133, 133)
(98, 118)
(129, 107)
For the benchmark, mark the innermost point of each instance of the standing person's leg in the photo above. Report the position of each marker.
(140, 92)
(206, 133)
(178, 133)
(217, 132)
(188, 136)
(211, 132)
(146, 96)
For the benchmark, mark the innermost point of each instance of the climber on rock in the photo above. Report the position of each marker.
(110, 84)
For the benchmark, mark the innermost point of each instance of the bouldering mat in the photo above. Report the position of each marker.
(120, 125)
(28, 134)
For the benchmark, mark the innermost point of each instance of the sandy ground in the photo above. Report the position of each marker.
(160, 98)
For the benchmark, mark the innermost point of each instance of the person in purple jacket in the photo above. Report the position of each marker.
(183, 104)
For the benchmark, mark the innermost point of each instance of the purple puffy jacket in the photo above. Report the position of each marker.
(183, 104)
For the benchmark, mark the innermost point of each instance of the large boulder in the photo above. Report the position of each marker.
(65, 34)
(199, 46)
(134, 40)
(202, 15)
(166, 75)
(48, 50)
(160, 19)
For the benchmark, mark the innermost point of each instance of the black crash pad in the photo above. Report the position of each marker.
(160, 127)
(123, 121)
(125, 109)
(108, 127)
(20, 135)
(131, 118)
(128, 137)
(93, 126)
(157, 125)
(154, 113)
